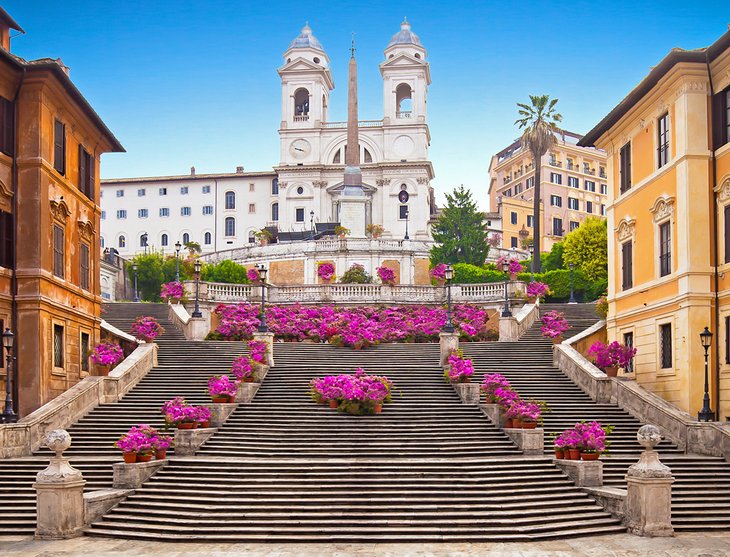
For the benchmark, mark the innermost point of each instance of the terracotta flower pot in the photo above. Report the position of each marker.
(186, 425)
(509, 422)
(557, 340)
(440, 281)
(559, 454)
(206, 423)
(161, 455)
(326, 281)
(513, 276)
(574, 454)
(130, 458)
(144, 457)
(527, 424)
(220, 399)
(517, 423)
(589, 456)
(611, 371)
(378, 408)
(248, 379)
(334, 404)
(532, 299)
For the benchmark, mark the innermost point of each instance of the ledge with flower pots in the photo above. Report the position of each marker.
(705, 438)
(26, 436)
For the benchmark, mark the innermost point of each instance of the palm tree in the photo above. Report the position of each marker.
(539, 121)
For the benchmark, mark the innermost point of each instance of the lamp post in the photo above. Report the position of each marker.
(706, 414)
(8, 417)
(136, 292)
(196, 311)
(505, 267)
(178, 246)
(571, 266)
(449, 325)
(263, 327)
(311, 225)
(531, 249)
(406, 236)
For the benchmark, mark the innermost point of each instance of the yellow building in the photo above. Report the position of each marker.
(668, 147)
(515, 215)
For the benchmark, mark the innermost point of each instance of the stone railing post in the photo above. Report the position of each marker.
(448, 343)
(59, 493)
(268, 338)
(649, 490)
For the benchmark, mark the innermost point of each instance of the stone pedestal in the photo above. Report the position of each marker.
(494, 413)
(259, 372)
(98, 503)
(468, 392)
(59, 493)
(246, 392)
(268, 338)
(187, 441)
(199, 328)
(584, 473)
(219, 413)
(509, 330)
(529, 441)
(649, 490)
(448, 343)
(132, 476)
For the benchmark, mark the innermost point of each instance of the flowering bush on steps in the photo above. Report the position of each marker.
(220, 386)
(172, 291)
(554, 324)
(178, 411)
(143, 439)
(614, 354)
(357, 327)
(146, 329)
(357, 394)
(458, 368)
(325, 270)
(257, 350)
(505, 397)
(526, 411)
(438, 273)
(537, 290)
(586, 437)
(107, 354)
(242, 368)
(386, 275)
(490, 384)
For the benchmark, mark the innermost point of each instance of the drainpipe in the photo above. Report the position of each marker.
(14, 279)
(716, 250)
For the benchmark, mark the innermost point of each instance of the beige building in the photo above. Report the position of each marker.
(574, 186)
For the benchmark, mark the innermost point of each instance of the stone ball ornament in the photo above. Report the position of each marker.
(58, 441)
(649, 436)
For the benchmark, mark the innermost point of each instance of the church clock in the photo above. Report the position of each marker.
(300, 148)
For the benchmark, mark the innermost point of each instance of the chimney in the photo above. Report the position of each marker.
(239, 170)
(7, 24)
(192, 171)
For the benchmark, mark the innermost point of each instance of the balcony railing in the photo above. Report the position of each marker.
(602, 173)
(361, 124)
(301, 118)
(404, 114)
(557, 164)
(589, 171)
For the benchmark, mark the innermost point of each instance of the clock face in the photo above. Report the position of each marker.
(300, 148)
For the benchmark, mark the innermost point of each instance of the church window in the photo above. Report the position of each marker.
(417, 55)
(403, 187)
(275, 186)
(301, 104)
(122, 242)
(316, 60)
(207, 238)
(230, 200)
(337, 159)
(367, 157)
(230, 226)
(300, 190)
(186, 239)
(164, 240)
(403, 212)
(274, 212)
(403, 101)
(299, 214)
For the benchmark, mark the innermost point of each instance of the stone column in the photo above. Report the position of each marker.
(448, 343)
(59, 493)
(649, 490)
(268, 338)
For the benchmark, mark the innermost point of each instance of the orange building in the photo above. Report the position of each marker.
(668, 146)
(51, 141)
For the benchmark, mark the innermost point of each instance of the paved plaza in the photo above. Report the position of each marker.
(622, 545)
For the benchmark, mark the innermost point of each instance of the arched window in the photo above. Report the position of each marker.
(186, 238)
(274, 212)
(207, 239)
(275, 186)
(252, 237)
(230, 226)
(143, 241)
(163, 240)
(301, 104)
(338, 157)
(230, 200)
(122, 241)
(367, 157)
(403, 101)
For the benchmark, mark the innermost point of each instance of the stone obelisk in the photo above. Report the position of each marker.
(353, 200)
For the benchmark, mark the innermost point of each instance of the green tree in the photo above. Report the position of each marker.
(224, 271)
(554, 260)
(587, 248)
(459, 233)
(539, 121)
(150, 275)
(356, 274)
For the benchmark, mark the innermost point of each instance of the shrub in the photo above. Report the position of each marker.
(225, 271)
(356, 274)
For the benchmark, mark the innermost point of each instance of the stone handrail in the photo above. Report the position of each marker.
(689, 434)
(26, 436)
(512, 328)
(194, 328)
(112, 330)
(492, 293)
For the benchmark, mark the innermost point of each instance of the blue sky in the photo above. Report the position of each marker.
(195, 83)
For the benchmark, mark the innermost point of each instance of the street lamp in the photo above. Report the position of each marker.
(178, 246)
(311, 225)
(8, 417)
(136, 292)
(505, 267)
(706, 414)
(531, 249)
(196, 311)
(263, 327)
(406, 236)
(571, 266)
(449, 325)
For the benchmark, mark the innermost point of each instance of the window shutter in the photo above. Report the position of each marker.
(7, 126)
(727, 233)
(718, 120)
(91, 165)
(82, 171)
(59, 147)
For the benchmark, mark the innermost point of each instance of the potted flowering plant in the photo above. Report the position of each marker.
(514, 266)
(358, 394)
(529, 414)
(326, 271)
(492, 382)
(374, 230)
(610, 357)
(537, 290)
(180, 414)
(146, 329)
(107, 355)
(593, 442)
(221, 389)
(253, 275)
(202, 416)
(554, 325)
(257, 350)
(438, 274)
(242, 369)
(386, 275)
(342, 232)
(136, 445)
(263, 237)
(172, 292)
(458, 368)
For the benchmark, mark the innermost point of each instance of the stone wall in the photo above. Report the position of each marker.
(287, 272)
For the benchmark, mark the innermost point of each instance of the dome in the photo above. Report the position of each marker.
(306, 40)
(404, 36)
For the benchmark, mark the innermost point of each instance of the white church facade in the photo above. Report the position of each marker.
(303, 197)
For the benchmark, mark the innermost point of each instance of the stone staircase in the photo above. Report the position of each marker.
(701, 492)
